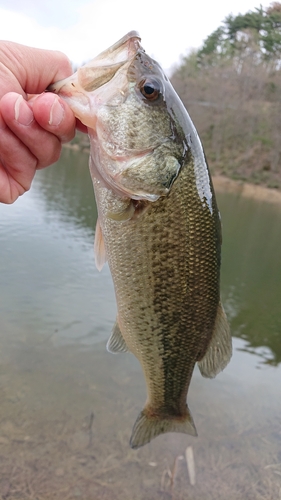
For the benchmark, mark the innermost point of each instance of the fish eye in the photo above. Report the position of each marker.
(150, 89)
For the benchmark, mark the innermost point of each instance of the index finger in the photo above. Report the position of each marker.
(33, 69)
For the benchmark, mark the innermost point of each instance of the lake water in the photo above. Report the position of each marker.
(67, 407)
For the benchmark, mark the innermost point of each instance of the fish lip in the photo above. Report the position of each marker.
(132, 37)
(118, 54)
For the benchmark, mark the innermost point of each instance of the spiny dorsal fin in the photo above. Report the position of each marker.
(116, 342)
(219, 351)
(99, 248)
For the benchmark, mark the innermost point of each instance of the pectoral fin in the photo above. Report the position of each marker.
(220, 348)
(99, 248)
(123, 215)
(116, 342)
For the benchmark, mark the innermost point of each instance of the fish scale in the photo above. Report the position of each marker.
(181, 265)
(158, 226)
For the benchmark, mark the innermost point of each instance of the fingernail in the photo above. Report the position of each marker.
(23, 113)
(56, 113)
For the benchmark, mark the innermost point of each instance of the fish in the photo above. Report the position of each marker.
(158, 227)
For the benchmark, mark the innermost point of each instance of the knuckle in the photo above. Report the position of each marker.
(50, 154)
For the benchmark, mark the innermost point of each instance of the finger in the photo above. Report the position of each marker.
(17, 165)
(42, 116)
(55, 116)
(34, 69)
(48, 67)
(18, 116)
(80, 126)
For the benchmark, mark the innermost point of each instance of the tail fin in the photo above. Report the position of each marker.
(148, 427)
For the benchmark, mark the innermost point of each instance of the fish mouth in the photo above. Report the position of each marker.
(101, 69)
(124, 49)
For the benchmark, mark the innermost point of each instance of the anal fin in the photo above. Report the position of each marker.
(116, 342)
(219, 350)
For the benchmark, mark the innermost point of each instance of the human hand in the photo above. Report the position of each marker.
(31, 130)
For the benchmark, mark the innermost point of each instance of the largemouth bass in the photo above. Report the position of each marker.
(158, 226)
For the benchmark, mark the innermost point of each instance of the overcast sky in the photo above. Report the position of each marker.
(82, 29)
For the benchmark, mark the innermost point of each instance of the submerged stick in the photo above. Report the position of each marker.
(190, 465)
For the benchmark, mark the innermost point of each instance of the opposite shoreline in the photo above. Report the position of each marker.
(225, 185)
(222, 184)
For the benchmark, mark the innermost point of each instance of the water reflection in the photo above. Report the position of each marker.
(48, 276)
(67, 406)
(251, 273)
(67, 190)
